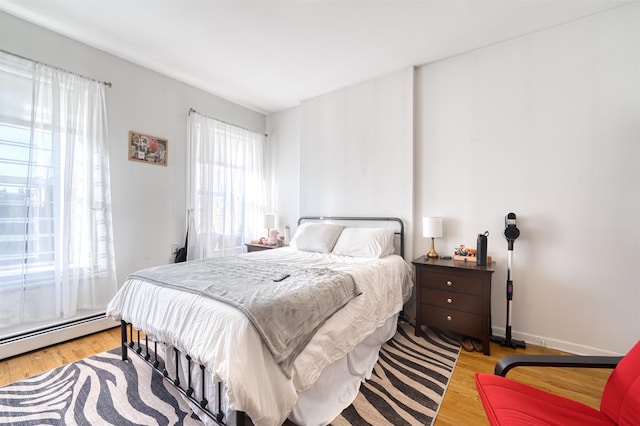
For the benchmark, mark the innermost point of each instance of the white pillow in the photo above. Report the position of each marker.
(318, 237)
(365, 242)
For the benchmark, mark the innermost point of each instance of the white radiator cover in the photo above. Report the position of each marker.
(54, 335)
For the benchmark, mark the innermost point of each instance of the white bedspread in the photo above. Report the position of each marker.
(222, 339)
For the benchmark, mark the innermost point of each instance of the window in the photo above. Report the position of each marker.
(56, 245)
(226, 186)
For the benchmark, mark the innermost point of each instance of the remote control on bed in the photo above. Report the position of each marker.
(282, 278)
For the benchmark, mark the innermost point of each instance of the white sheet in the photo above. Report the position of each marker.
(254, 383)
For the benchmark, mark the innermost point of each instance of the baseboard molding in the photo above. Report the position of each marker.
(54, 336)
(560, 345)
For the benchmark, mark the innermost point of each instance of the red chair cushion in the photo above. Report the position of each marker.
(507, 402)
(621, 396)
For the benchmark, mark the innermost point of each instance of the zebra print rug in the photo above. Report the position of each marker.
(408, 382)
(100, 390)
(406, 388)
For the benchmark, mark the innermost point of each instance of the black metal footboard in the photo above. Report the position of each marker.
(151, 357)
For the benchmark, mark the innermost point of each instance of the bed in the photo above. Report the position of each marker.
(224, 365)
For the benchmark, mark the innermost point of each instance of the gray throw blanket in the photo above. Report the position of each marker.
(286, 304)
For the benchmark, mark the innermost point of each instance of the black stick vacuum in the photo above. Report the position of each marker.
(511, 232)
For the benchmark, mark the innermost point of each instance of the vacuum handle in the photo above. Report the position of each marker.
(511, 231)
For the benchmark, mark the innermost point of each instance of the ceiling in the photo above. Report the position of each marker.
(270, 55)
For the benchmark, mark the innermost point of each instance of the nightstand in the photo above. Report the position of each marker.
(258, 247)
(454, 295)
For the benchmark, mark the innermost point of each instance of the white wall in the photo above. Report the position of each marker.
(148, 201)
(356, 149)
(546, 126)
(283, 144)
(347, 153)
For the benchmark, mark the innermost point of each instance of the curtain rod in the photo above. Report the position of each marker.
(222, 121)
(106, 83)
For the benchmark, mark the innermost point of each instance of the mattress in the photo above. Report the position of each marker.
(222, 339)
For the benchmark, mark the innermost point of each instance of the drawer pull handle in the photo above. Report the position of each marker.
(449, 300)
(449, 317)
(449, 283)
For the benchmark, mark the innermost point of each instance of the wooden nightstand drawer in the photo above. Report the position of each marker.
(451, 300)
(450, 319)
(447, 281)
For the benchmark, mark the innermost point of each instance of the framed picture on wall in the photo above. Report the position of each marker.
(148, 149)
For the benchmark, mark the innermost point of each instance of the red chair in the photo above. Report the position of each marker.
(508, 402)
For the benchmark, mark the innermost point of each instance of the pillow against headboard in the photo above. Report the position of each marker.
(318, 237)
(365, 242)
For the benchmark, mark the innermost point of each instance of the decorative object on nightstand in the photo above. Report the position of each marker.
(454, 296)
(273, 237)
(466, 254)
(287, 235)
(432, 228)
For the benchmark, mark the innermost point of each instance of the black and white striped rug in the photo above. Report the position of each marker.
(406, 388)
(408, 382)
(100, 390)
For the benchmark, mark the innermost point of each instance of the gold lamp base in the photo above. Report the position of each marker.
(433, 254)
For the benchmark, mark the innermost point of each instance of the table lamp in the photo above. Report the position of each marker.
(432, 228)
(269, 221)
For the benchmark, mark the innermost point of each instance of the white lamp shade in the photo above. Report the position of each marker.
(269, 221)
(432, 227)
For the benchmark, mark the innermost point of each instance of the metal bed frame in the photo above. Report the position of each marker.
(151, 357)
(216, 412)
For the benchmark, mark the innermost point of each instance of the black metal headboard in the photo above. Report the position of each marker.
(398, 229)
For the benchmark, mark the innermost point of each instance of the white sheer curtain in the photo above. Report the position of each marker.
(58, 261)
(225, 187)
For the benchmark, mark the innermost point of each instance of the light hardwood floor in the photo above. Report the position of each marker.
(22, 366)
(461, 405)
